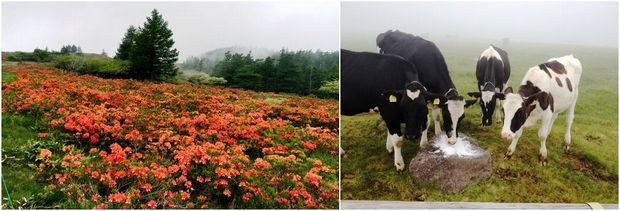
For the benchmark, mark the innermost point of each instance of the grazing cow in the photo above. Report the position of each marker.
(433, 74)
(492, 72)
(546, 91)
(370, 80)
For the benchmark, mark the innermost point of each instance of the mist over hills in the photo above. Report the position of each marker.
(206, 61)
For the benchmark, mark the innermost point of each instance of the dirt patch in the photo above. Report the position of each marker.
(594, 138)
(582, 163)
(506, 174)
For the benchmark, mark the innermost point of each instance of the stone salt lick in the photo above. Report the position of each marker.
(450, 167)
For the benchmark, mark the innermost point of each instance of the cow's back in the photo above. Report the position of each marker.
(428, 60)
(364, 76)
(561, 81)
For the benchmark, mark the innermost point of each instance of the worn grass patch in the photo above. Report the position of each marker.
(587, 173)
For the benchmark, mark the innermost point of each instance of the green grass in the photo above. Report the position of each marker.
(588, 173)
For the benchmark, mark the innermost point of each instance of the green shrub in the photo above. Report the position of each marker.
(201, 78)
(20, 56)
(99, 66)
(328, 90)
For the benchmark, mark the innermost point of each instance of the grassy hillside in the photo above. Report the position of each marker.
(587, 173)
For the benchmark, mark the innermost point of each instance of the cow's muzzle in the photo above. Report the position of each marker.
(411, 136)
(508, 136)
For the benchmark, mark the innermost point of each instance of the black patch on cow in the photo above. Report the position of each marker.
(569, 85)
(452, 94)
(556, 66)
(559, 81)
(528, 89)
(545, 99)
(520, 116)
(544, 68)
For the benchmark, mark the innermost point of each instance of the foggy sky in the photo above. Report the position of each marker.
(577, 23)
(197, 26)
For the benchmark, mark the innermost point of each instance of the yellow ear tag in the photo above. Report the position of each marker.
(436, 101)
(392, 99)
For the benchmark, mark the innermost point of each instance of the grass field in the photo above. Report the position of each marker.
(587, 173)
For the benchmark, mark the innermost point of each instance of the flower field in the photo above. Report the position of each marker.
(131, 144)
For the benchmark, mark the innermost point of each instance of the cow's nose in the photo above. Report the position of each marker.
(411, 136)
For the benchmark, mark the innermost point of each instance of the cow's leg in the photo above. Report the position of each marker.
(498, 112)
(388, 143)
(436, 111)
(513, 144)
(543, 133)
(397, 142)
(570, 116)
(424, 138)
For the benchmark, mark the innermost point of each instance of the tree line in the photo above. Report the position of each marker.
(301, 72)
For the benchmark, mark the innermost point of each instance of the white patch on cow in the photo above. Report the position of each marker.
(388, 143)
(456, 109)
(486, 97)
(435, 115)
(397, 142)
(491, 52)
(413, 95)
(462, 148)
(511, 104)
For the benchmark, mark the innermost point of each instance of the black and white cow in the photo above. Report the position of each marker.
(370, 80)
(433, 74)
(546, 91)
(492, 72)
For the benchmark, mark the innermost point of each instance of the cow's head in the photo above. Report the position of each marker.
(415, 110)
(487, 97)
(518, 107)
(390, 37)
(412, 102)
(452, 111)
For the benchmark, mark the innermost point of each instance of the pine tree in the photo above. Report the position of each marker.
(127, 43)
(153, 56)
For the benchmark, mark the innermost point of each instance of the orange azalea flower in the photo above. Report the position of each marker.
(151, 204)
(44, 154)
(184, 195)
(117, 197)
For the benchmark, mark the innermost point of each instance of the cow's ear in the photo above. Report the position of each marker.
(470, 102)
(500, 96)
(391, 96)
(474, 94)
(508, 90)
(435, 99)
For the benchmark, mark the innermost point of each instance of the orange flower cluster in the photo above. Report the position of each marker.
(152, 145)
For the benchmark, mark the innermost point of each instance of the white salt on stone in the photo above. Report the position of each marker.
(462, 147)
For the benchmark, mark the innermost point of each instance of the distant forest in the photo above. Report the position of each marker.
(301, 72)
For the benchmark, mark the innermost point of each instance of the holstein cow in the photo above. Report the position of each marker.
(433, 74)
(546, 91)
(370, 80)
(492, 72)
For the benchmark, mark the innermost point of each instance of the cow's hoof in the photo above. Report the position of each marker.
(566, 148)
(542, 160)
(498, 121)
(507, 156)
(400, 167)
